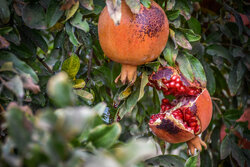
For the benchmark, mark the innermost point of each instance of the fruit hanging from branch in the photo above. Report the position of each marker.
(136, 40)
(185, 117)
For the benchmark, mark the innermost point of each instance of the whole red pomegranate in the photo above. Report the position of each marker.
(185, 117)
(138, 39)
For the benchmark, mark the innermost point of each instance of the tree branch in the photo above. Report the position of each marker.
(45, 65)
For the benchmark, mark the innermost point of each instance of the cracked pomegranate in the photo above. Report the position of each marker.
(185, 117)
(138, 39)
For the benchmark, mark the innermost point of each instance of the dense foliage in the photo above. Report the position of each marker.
(59, 105)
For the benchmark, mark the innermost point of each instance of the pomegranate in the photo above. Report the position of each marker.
(138, 39)
(185, 117)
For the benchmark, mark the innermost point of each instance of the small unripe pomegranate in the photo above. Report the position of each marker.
(187, 115)
(138, 39)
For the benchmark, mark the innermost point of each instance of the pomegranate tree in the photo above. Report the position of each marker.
(185, 117)
(138, 39)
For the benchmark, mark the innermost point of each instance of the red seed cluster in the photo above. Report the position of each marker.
(187, 118)
(174, 86)
(166, 105)
(154, 117)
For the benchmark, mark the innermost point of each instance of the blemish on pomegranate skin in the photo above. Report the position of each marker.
(150, 22)
(167, 73)
(168, 126)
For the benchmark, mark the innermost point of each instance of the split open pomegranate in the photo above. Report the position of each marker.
(185, 117)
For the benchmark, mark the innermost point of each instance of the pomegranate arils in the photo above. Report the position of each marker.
(166, 101)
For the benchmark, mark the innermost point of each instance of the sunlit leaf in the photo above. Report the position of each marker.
(182, 41)
(79, 83)
(77, 22)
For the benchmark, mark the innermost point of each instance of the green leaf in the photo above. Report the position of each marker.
(77, 22)
(84, 94)
(79, 83)
(185, 67)
(211, 84)
(170, 53)
(197, 68)
(60, 90)
(134, 5)
(34, 16)
(4, 11)
(225, 148)
(53, 13)
(173, 14)
(154, 65)
(144, 81)
(192, 161)
(59, 39)
(233, 114)
(146, 3)
(166, 161)
(232, 81)
(190, 35)
(104, 136)
(72, 37)
(195, 25)
(71, 66)
(35, 37)
(18, 64)
(88, 4)
(182, 41)
(19, 128)
(218, 50)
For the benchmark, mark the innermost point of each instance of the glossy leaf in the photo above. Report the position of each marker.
(79, 23)
(170, 53)
(53, 13)
(218, 50)
(192, 161)
(182, 41)
(185, 67)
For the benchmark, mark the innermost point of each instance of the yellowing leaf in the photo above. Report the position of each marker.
(79, 83)
(71, 66)
(71, 11)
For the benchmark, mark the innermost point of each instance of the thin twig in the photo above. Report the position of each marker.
(45, 65)
(215, 98)
(96, 60)
(89, 65)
